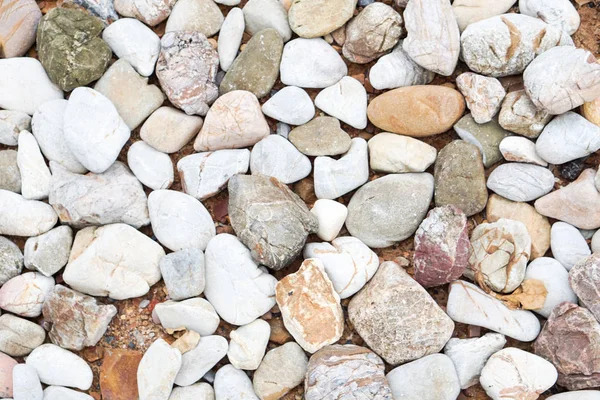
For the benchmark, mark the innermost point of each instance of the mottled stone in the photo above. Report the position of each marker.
(520, 115)
(397, 318)
(18, 336)
(265, 14)
(483, 95)
(470, 11)
(57, 366)
(202, 16)
(11, 260)
(275, 156)
(169, 129)
(520, 149)
(556, 281)
(282, 369)
(151, 12)
(25, 294)
(397, 69)
(11, 124)
(486, 137)
(520, 181)
(118, 374)
(49, 252)
(22, 217)
(590, 110)
(230, 37)
(18, 24)
(314, 18)
(157, 371)
(183, 273)
(321, 137)
(584, 278)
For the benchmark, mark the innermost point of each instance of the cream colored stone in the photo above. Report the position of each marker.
(483, 95)
(315, 18)
(470, 11)
(169, 129)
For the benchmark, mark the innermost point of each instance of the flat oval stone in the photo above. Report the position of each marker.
(153, 168)
(18, 23)
(397, 69)
(169, 129)
(291, 105)
(22, 217)
(559, 13)
(25, 294)
(417, 110)
(314, 18)
(483, 95)
(519, 115)
(521, 182)
(556, 280)
(202, 16)
(57, 366)
(18, 336)
(321, 137)
(282, 369)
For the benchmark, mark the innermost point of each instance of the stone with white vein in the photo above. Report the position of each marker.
(393, 153)
(397, 69)
(57, 366)
(291, 105)
(567, 137)
(195, 314)
(235, 286)
(275, 156)
(248, 345)
(568, 245)
(470, 355)
(157, 371)
(233, 384)
(334, 178)
(25, 294)
(556, 281)
(202, 16)
(311, 63)
(346, 100)
(93, 129)
(63, 393)
(520, 149)
(22, 217)
(113, 260)
(468, 304)
(133, 41)
(521, 182)
(230, 37)
(483, 95)
(35, 175)
(47, 127)
(331, 216)
(179, 221)
(153, 168)
(263, 14)
(11, 124)
(559, 13)
(26, 383)
(206, 174)
(49, 252)
(198, 361)
(169, 129)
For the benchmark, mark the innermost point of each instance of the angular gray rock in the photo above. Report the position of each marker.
(11, 260)
(49, 252)
(183, 273)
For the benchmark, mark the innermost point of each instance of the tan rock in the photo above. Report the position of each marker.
(169, 129)
(235, 120)
(18, 23)
(519, 115)
(310, 306)
(591, 111)
(537, 225)
(483, 95)
(315, 18)
(282, 369)
(188, 341)
(417, 111)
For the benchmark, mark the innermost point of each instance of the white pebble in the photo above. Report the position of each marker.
(153, 168)
(331, 216)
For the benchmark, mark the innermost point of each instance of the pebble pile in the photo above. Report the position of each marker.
(299, 199)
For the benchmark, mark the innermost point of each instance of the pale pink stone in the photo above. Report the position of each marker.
(24, 294)
(6, 376)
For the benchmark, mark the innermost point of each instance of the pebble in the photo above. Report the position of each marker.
(578, 203)
(179, 221)
(518, 372)
(26, 383)
(70, 49)
(577, 395)
(487, 137)
(372, 33)
(559, 13)
(282, 369)
(151, 13)
(183, 273)
(460, 178)
(130, 93)
(430, 378)
(314, 18)
(205, 174)
(77, 320)
(521, 182)
(595, 244)
(25, 294)
(186, 342)
(264, 14)
(470, 355)
(35, 175)
(397, 318)
(311, 63)
(567, 137)
(10, 176)
(378, 219)
(6, 376)
(291, 105)
(468, 304)
(470, 11)
(489, 47)
(331, 216)
(157, 371)
(57, 366)
(321, 137)
(433, 39)
(441, 247)
(417, 111)
(197, 362)
(556, 281)
(83, 200)
(187, 70)
(520, 149)
(348, 263)
(202, 16)
(118, 374)
(344, 372)
(18, 21)
(197, 391)
(11, 260)
(483, 95)
(233, 384)
(18, 336)
(248, 345)
(168, 129)
(47, 126)
(583, 279)
(271, 220)
(194, 314)
(230, 37)
(346, 100)
(257, 67)
(234, 121)
(572, 169)
(113, 260)
(310, 306)
(397, 69)
(235, 286)
(520, 115)
(103, 9)
(93, 129)
(277, 157)
(62, 393)
(153, 168)
(135, 43)
(24, 86)
(11, 124)
(568, 245)
(590, 110)
(26, 217)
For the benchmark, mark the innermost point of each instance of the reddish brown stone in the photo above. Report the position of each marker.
(118, 374)
(571, 341)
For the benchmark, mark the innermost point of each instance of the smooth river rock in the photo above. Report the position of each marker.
(470, 11)
(519, 115)
(22, 217)
(486, 137)
(314, 18)
(57, 366)
(397, 69)
(25, 294)
(320, 137)
(520, 181)
(393, 153)
(18, 21)
(559, 13)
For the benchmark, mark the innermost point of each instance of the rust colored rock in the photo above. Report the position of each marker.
(346, 372)
(118, 374)
(310, 306)
(571, 341)
(584, 279)
(441, 246)
(417, 111)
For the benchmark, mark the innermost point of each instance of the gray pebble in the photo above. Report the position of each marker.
(183, 273)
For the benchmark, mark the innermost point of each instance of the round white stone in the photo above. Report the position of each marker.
(57, 366)
(153, 168)
(556, 280)
(291, 105)
(331, 216)
(248, 345)
(568, 245)
(346, 100)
